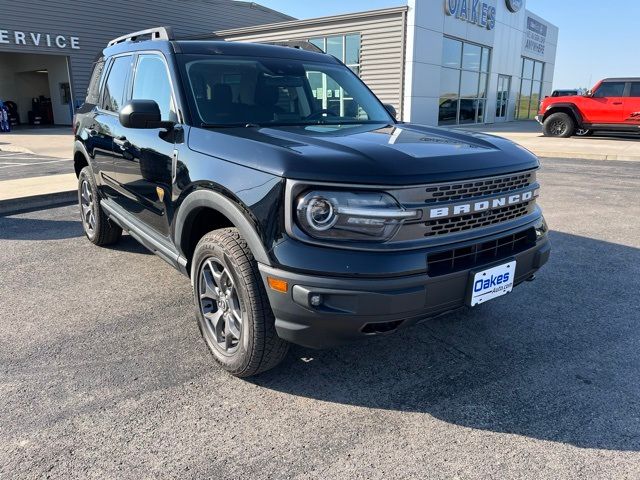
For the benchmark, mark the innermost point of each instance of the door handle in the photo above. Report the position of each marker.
(617, 103)
(122, 142)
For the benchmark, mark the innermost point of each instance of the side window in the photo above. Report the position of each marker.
(114, 88)
(610, 89)
(93, 92)
(635, 89)
(152, 83)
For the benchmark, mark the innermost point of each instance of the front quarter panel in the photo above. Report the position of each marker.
(250, 199)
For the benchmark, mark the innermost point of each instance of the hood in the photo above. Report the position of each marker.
(402, 154)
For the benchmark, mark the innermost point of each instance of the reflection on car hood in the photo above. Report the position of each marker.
(393, 155)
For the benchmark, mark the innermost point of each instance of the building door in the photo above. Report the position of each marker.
(502, 99)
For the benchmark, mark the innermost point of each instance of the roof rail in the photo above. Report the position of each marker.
(157, 33)
(299, 44)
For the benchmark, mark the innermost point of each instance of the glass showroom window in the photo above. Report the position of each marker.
(463, 82)
(327, 93)
(530, 88)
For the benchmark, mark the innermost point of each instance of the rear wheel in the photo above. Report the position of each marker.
(559, 125)
(97, 226)
(232, 306)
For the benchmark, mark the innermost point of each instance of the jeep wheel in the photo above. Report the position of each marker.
(232, 306)
(559, 125)
(97, 226)
(583, 132)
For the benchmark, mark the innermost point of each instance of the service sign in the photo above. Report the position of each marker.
(473, 11)
(38, 39)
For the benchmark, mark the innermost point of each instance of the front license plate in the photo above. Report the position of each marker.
(492, 282)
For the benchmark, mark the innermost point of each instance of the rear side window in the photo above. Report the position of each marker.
(610, 89)
(635, 89)
(114, 88)
(93, 92)
(152, 83)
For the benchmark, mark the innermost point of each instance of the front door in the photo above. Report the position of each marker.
(631, 108)
(605, 104)
(502, 99)
(143, 171)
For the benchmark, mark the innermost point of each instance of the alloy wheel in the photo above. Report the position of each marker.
(222, 318)
(558, 128)
(86, 204)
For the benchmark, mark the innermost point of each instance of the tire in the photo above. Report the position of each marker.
(583, 132)
(559, 125)
(95, 223)
(232, 307)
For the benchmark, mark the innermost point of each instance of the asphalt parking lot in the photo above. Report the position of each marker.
(103, 373)
(25, 165)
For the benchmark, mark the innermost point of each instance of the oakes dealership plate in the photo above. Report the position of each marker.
(492, 282)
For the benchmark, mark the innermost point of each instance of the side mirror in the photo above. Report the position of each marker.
(588, 93)
(391, 109)
(142, 114)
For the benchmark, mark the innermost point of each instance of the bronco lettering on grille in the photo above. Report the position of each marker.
(483, 205)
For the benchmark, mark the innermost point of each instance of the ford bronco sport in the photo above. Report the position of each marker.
(297, 219)
(612, 105)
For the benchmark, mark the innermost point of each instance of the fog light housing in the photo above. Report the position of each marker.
(541, 228)
(315, 299)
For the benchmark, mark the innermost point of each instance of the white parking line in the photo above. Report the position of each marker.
(34, 163)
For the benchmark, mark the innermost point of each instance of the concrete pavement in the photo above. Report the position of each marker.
(48, 141)
(601, 146)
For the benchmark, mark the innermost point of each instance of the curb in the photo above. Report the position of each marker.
(37, 202)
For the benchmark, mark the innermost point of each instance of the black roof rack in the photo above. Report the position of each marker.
(299, 44)
(157, 33)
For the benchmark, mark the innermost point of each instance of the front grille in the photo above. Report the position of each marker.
(457, 259)
(474, 220)
(478, 188)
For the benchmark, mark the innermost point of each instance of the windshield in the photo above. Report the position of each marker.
(230, 91)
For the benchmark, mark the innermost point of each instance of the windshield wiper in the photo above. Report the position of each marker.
(229, 125)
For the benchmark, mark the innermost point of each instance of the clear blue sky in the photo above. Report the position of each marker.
(598, 38)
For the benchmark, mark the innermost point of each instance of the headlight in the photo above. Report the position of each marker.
(341, 215)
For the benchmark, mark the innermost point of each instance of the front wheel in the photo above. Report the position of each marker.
(232, 306)
(559, 125)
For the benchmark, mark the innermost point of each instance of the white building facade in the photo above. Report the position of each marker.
(470, 61)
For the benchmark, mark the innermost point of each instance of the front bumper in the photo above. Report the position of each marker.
(355, 308)
(539, 119)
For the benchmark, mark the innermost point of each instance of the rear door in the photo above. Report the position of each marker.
(143, 170)
(631, 114)
(605, 105)
(106, 123)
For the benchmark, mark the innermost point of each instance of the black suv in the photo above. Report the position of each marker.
(297, 219)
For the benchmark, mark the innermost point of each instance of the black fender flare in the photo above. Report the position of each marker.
(78, 147)
(564, 106)
(222, 204)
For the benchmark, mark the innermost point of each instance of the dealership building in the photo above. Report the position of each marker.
(438, 62)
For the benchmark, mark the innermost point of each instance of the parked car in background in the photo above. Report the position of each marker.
(612, 105)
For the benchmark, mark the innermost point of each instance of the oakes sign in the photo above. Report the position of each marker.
(473, 11)
(36, 39)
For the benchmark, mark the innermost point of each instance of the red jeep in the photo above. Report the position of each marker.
(613, 104)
